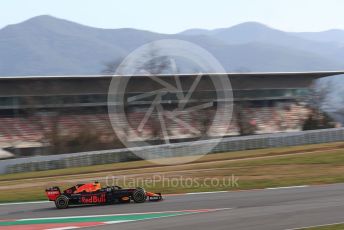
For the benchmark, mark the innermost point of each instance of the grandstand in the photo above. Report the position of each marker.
(40, 111)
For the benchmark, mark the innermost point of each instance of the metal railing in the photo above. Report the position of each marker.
(228, 144)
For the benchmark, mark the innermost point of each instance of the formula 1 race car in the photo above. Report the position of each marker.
(92, 193)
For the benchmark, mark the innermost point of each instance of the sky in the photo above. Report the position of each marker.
(172, 16)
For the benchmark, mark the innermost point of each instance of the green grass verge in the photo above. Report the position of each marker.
(323, 164)
(145, 164)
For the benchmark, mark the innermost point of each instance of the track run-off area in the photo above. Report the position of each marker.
(272, 208)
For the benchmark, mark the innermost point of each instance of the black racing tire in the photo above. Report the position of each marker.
(61, 202)
(139, 195)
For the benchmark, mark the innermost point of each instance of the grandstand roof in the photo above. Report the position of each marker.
(99, 84)
(312, 74)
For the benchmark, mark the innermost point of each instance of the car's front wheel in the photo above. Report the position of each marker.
(61, 202)
(139, 195)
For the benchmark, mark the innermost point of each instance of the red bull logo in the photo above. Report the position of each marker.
(93, 199)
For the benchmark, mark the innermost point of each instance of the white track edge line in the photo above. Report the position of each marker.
(288, 187)
(200, 193)
(123, 214)
(28, 202)
(315, 226)
(63, 228)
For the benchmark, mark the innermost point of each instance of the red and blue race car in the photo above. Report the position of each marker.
(93, 193)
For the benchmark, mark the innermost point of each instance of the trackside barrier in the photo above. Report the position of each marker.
(228, 144)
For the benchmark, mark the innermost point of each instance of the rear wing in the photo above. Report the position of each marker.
(52, 193)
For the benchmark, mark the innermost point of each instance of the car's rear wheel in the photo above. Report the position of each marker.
(61, 202)
(139, 195)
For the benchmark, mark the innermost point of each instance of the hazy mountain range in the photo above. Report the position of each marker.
(46, 45)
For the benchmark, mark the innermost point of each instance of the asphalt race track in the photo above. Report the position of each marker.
(282, 208)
